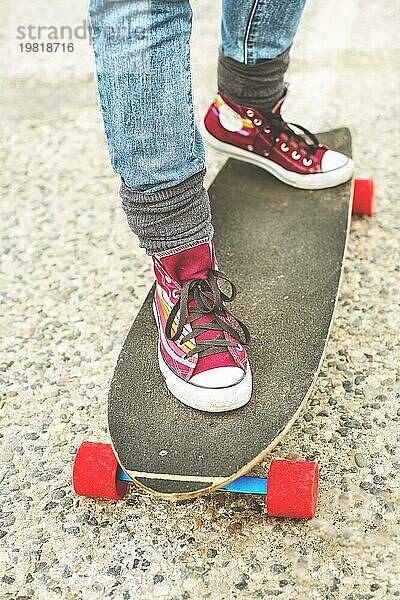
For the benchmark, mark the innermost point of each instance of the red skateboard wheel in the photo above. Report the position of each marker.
(363, 197)
(292, 489)
(95, 472)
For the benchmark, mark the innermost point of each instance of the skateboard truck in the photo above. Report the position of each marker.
(291, 488)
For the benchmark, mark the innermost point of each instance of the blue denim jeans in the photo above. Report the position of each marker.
(142, 62)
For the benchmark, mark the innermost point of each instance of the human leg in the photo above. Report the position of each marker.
(245, 119)
(142, 61)
(141, 51)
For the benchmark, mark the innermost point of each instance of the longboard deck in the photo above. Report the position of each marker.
(284, 249)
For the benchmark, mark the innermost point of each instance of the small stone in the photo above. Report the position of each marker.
(360, 460)
(378, 479)
(310, 430)
(7, 579)
(91, 520)
(343, 431)
(66, 502)
(323, 413)
(114, 571)
(365, 485)
(370, 392)
(374, 587)
(57, 494)
(277, 568)
(235, 527)
(312, 456)
(158, 578)
(42, 567)
(242, 585)
(67, 572)
(256, 507)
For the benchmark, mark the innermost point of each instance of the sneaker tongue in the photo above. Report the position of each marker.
(193, 263)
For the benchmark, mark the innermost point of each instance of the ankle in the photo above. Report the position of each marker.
(260, 85)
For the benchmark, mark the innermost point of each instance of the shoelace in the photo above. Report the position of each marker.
(277, 125)
(209, 300)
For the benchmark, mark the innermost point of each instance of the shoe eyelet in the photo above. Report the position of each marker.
(257, 122)
(250, 147)
(266, 153)
(267, 131)
(250, 113)
(168, 279)
(295, 155)
(284, 148)
(239, 347)
(175, 293)
(307, 162)
(277, 139)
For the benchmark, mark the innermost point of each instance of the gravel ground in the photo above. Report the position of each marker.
(73, 278)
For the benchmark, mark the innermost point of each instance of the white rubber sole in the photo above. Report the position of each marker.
(207, 399)
(313, 181)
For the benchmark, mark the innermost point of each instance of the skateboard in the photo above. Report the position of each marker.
(286, 247)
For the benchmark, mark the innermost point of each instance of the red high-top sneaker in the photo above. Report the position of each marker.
(201, 355)
(270, 143)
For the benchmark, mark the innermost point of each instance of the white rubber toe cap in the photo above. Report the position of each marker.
(333, 160)
(215, 390)
(220, 377)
